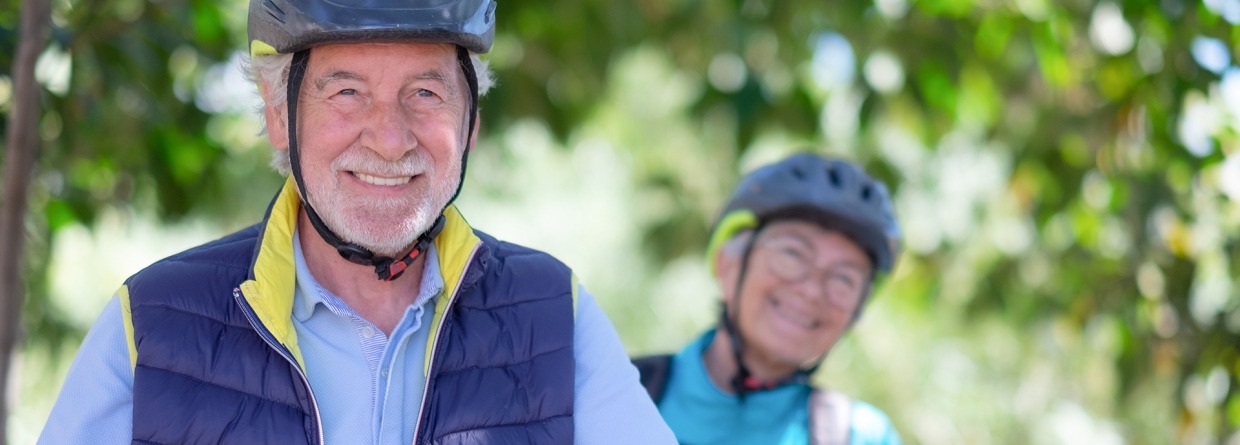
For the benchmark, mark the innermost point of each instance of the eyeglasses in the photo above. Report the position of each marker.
(791, 259)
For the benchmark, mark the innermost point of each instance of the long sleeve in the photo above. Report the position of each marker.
(95, 405)
(611, 407)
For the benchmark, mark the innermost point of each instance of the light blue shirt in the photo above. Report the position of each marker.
(369, 386)
(702, 414)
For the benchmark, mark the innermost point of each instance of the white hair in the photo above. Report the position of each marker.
(271, 72)
(737, 244)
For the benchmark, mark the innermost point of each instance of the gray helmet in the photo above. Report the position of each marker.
(288, 26)
(832, 192)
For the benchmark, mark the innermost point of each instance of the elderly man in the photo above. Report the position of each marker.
(363, 308)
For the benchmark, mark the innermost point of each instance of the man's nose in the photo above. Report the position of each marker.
(391, 130)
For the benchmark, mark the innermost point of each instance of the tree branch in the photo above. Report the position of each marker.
(20, 148)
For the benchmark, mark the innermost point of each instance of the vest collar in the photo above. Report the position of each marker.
(269, 291)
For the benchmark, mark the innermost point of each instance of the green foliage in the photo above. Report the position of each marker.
(115, 136)
(1081, 128)
(1071, 254)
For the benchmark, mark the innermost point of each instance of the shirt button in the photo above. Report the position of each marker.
(368, 331)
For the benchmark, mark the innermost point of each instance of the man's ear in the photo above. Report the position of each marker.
(473, 136)
(277, 120)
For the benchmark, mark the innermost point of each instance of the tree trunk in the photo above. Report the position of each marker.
(20, 148)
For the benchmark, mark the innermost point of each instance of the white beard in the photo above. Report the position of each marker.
(385, 226)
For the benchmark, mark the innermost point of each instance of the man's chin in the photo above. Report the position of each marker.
(390, 237)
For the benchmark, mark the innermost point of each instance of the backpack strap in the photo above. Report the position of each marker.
(655, 371)
(830, 417)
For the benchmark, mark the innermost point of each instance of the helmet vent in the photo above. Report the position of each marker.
(866, 193)
(274, 10)
(834, 177)
(798, 173)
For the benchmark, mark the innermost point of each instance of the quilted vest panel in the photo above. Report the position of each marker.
(503, 370)
(203, 374)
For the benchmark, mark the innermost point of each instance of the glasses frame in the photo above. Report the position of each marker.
(790, 258)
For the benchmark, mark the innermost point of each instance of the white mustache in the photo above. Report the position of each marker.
(413, 163)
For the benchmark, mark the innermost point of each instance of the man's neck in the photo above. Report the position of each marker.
(382, 303)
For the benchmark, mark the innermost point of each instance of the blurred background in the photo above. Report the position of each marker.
(1067, 174)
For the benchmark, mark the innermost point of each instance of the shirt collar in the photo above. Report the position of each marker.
(311, 294)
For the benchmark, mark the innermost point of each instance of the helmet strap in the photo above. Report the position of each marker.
(386, 268)
(471, 77)
(729, 321)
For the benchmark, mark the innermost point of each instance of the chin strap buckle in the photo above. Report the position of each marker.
(389, 269)
(752, 383)
(747, 383)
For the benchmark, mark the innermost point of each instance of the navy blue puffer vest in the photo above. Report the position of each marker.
(208, 372)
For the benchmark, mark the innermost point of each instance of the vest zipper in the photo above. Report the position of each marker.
(266, 336)
(435, 346)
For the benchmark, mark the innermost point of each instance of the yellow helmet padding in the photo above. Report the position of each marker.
(260, 48)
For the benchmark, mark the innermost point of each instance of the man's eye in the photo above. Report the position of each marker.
(424, 93)
(348, 92)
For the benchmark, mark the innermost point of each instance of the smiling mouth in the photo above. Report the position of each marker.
(382, 180)
(794, 317)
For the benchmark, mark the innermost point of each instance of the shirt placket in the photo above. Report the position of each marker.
(389, 416)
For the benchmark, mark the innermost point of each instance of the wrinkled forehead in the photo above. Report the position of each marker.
(383, 62)
(812, 235)
(803, 228)
(363, 53)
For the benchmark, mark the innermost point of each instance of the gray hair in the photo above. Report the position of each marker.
(272, 71)
(736, 245)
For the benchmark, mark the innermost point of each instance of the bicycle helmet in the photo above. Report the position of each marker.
(288, 26)
(832, 192)
(296, 26)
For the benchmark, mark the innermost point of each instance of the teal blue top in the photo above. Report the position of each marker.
(702, 414)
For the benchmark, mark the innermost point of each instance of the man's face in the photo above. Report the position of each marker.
(801, 289)
(381, 130)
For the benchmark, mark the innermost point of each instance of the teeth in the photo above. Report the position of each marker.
(793, 316)
(379, 180)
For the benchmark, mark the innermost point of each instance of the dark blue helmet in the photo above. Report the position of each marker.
(288, 26)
